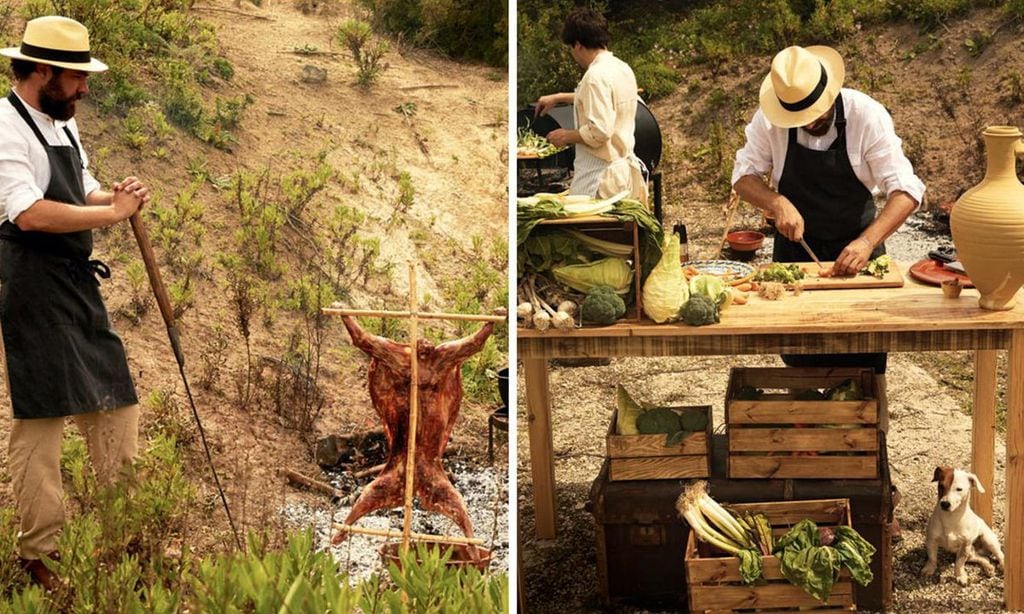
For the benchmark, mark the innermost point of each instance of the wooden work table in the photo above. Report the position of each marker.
(914, 318)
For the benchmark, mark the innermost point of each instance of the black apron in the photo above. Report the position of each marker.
(62, 356)
(836, 208)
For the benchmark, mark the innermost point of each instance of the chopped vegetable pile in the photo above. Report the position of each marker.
(777, 271)
(879, 266)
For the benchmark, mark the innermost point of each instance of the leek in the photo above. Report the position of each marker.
(608, 248)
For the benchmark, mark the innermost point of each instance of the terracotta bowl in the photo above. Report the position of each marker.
(745, 240)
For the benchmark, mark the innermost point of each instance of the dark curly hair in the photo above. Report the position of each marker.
(586, 27)
(23, 69)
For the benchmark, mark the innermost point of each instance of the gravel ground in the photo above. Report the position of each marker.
(483, 489)
(928, 428)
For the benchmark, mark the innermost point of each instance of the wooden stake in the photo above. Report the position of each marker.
(297, 478)
(441, 539)
(414, 408)
(371, 313)
(362, 473)
(734, 202)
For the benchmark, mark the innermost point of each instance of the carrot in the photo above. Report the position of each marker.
(744, 287)
(739, 298)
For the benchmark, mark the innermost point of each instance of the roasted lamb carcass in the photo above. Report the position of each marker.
(440, 395)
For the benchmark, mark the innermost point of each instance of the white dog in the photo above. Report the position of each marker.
(955, 527)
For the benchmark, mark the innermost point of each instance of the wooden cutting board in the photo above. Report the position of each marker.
(892, 279)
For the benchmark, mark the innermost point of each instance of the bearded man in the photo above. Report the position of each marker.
(62, 357)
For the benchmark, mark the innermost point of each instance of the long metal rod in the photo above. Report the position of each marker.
(164, 302)
(371, 313)
(414, 410)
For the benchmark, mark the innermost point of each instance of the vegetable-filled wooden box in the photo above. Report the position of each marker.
(660, 456)
(802, 423)
(713, 578)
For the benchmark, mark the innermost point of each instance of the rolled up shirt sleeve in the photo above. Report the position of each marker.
(890, 168)
(755, 157)
(598, 119)
(18, 189)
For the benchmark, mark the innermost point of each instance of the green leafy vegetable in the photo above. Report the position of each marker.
(602, 306)
(751, 565)
(712, 287)
(856, 553)
(699, 310)
(879, 266)
(848, 390)
(665, 290)
(809, 564)
(529, 142)
(693, 420)
(777, 271)
(614, 273)
(658, 420)
(628, 411)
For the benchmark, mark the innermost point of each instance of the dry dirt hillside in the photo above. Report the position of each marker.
(420, 157)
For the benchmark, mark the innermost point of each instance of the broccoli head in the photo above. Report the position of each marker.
(699, 310)
(658, 420)
(811, 394)
(693, 420)
(602, 306)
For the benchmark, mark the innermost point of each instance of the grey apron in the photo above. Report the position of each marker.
(836, 208)
(63, 358)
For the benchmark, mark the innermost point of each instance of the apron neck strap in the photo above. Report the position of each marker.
(23, 112)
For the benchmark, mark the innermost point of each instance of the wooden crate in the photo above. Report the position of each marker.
(778, 436)
(646, 457)
(611, 229)
(713, 580)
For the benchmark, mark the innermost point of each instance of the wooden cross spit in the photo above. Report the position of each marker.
(413, 315)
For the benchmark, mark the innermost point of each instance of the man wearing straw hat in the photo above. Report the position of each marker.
(62, 357)
(828, 150)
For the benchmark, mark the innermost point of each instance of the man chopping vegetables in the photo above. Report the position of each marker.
(604, 105)
(62, 357)
(827, 150)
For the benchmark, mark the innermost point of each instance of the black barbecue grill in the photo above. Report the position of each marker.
(552, 174)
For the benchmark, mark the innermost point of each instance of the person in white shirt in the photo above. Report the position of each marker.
(62, 357)
(827, 150)
(604, 105)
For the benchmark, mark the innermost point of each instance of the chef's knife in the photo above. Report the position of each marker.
(807, 248)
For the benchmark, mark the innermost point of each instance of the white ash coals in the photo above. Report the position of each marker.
(484, 490)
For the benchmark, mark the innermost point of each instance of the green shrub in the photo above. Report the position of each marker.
(357, 36)
(462, 29)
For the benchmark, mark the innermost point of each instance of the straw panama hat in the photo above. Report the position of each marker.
(57, 41)
(802, 85)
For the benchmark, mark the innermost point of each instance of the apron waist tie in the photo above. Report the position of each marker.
(81, 270)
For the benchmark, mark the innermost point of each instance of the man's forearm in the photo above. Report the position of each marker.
(897, 209)
(755, 191)
(99, 198)
(51, 216)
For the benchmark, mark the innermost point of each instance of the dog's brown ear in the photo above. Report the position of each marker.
(937, 477)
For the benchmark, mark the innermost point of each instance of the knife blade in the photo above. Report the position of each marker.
(807, 248)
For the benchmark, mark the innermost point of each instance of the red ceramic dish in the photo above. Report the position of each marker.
(745, 240)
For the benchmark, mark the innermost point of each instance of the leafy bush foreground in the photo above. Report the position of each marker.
(124, 551)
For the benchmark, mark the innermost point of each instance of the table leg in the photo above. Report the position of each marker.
(983, 431)
(1013, 574)
(542, 460)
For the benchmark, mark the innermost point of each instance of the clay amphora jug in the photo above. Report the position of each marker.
(988, 223)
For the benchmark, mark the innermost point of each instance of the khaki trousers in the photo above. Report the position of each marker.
(112, 438)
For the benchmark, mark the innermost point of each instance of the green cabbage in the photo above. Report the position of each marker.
(612, 272)
(665, 290)
(629, 411)
(712, 287)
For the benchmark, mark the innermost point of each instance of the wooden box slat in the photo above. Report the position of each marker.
(713, 582)
(806, 467)
(658, 468)
(646, 457)
(768, 411)
(784, 429)
(803, 440)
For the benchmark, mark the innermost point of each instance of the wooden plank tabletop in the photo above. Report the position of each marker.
(912, 307)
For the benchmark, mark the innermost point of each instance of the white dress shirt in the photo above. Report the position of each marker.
(24, 167)
(876, 153)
